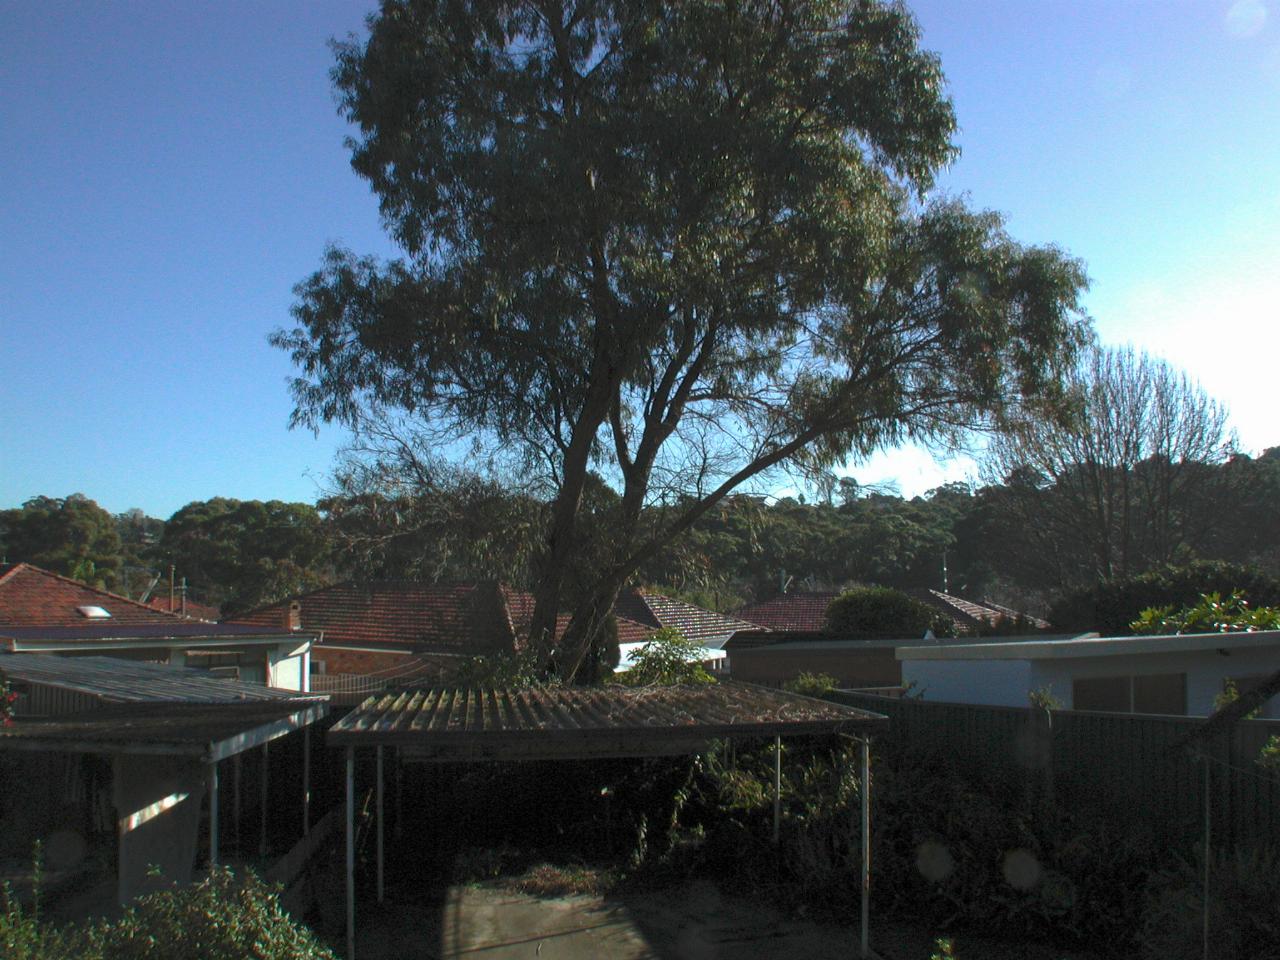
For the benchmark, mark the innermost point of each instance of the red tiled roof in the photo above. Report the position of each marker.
(30, 596)
(461, 617)
(653, 610)
(805, 610)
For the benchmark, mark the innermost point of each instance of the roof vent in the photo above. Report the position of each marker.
(94, 613)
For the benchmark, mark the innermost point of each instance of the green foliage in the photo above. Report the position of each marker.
(242, 554)
(1244, 912)
(881, 613)
(1269, 755)
(224, 916)
(7, 699)
(944, 948)
(745, 271)
(812, 684)
(71, 535)
(1211, 614)
(1111, 607)
(1043, 698)
(667, 658)
(511, 671)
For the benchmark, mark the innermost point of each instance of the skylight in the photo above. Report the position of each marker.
(94, 613)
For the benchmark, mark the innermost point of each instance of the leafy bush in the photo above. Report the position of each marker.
(812, 684)
(22, 934)
(506, 671)
(1244, 912)
(881, 613)
(1111, 607)
(1211, 614)
(222, 917)
(667, 658)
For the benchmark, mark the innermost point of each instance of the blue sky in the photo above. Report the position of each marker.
(171, 171)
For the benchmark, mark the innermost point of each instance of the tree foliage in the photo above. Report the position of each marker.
(1211, 614)
(665, 659)
(70, 535)
(244, 553)
(681, 243)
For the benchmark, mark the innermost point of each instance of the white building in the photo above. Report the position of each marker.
(1178, 675)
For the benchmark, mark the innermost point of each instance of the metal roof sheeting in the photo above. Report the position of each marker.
(131, 681)
(547, 722)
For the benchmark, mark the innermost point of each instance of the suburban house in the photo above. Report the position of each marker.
(386, 632)
(43, 612)
(1178, 675)
(797, 642)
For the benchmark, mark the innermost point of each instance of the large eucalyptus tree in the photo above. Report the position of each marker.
(682, 244)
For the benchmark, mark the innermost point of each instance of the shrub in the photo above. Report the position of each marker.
(1111, 607)
(881, 613)
(812, 684)
(1244, 912)
(668, 658)
(222, 917)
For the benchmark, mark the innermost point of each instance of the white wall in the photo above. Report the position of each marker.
(287, 672)
(1206, 672)
(999, 683)
(1008, 682)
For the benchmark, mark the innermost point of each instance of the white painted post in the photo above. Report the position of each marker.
(306, 781)
(266, 773)
(866, 847)
(380, 860)
(351, 854)
(213, 814)
(777, 788)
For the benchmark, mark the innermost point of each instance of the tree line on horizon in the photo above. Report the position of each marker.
(997, 541)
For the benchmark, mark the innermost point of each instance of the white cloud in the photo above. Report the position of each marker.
(1246, 18)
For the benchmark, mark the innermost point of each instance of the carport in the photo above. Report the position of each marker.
(166, 729)
(585, 723)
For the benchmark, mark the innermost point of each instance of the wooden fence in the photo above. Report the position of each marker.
(1126, 769)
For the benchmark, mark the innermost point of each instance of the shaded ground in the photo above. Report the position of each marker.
(692, 921)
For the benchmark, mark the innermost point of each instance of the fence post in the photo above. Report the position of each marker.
(1207, 855)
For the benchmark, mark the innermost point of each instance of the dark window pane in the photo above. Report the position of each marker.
(1100, 693)
(1161, 693)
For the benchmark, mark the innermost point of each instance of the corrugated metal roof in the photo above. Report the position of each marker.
(587, 721)
(131, 681)
(209, 731)
(192, 630)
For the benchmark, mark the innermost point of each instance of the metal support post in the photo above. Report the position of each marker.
(306, 781)
(266, 773)
(1207, 848)
(399, 796)
(236, 770)
(777, 788)
(866, 847)
(351, 854)
(379, 814)
(213, 814)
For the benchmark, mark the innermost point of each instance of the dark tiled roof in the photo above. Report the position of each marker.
(967, 614)
(587, 721)
(33, 597)
(805, 610)
(457, 617)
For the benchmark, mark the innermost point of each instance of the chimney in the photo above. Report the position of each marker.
(295, 614)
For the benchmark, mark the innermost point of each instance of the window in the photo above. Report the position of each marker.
(1164, 693)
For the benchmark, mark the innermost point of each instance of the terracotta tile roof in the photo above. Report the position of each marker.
(444, 617)
(653, 610)
(802, 610)
(30, 596)
(807, 610)
(968, 614)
